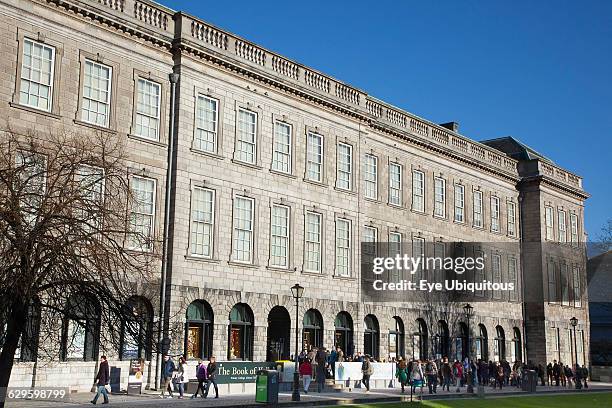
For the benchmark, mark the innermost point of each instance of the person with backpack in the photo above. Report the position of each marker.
(202, 376)
(367, 370)
(401, 373)
(431, 371)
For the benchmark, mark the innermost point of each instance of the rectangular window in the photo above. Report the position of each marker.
(345, 166)
(478, 213)
(36, 87)
(552, 282)
(479, 273)
(279, 242)
(439, 197)
(343, 247)
(566, 285)
(91, 181)
(418, 191)
(148, 101)
(512, 277)
(142, 214)
(459, 203)
(243, 229)
(418, 251)
(511, 219)
(32, 170)
(495, 214)
(574, 228)
(369, 245)
(562, 227)
(395, 184)
(395, 248)
(96, 93)
(580, 343)
(313, 242)
(548, 215)
(314, 157)
(370, 174)
(202, 221)
(496, 270)
(281, 147)
(577, 287)
(207, 124)
(555, 339)
(247, 137)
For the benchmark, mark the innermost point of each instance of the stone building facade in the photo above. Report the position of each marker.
(277, 173)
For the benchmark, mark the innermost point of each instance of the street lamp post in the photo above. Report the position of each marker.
(469, 312)
(574, 323)
(297, 291)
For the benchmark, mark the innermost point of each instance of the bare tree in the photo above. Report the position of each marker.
(70, 246)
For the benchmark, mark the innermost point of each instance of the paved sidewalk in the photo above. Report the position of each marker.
(150, 399)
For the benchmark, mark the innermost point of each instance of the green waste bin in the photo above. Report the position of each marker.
(266, 386)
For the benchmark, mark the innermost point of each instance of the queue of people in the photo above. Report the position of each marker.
(174, 377)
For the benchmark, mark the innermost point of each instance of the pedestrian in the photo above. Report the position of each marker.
(202, 376)
(168, 369)
(331, 359)
(549, 374)
(401, 373)
(569, 376)
(416, 376)
(211, 370)
(585, 375)
(578, 376)
(447, 374)
(306, 373)
(102, 381)
(458, 374)
(181, 376)
(500, 376)
(320, 358)
(556, 372)
(366, 370)
(431, 371)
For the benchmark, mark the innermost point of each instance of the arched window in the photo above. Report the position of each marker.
(199, 330)
(343, 334)
(419, 340)
(396, 339)
(499, 349)
(279, 332)
(461, 342)
(81, 329)
(240, 341)
(481, 343)
(312, 333)
(371, 336)
(28, 344)
(517, 350)
(137, 332)
(441, 342)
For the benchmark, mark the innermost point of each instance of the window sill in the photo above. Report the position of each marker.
(478, 228)
(96, 127)
(245, 164)
(280, 173)
(311, 273)
(201, 259)
(398, 206)
(372, 200)
(243, 264)
(144, 139)
(344, 278)
(34, 110)
(316, 183)
(439, 217)
(343, 190)
(205, 153)
(459, 222)
(418, 211)
(280, 269)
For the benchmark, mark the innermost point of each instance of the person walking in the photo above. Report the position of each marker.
(585, 375)
(167, 370)
(556, 372)
(431, 371)
(102, 381)
(211, 370)
(202, 376)
(447, 374)
(416, 376)
(549, 374)
(306, 373)
(366, 370)
(501, 377)
(401, 373)
(320, 358)
(181, 376)
(458, 374)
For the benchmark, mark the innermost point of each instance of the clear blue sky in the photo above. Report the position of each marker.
(540, 71)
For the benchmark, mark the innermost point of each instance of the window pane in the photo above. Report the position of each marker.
(345, 166)
(313, 242)
(279, 243)
(459, 203)
(36, 85)
(314, 157)
(142, 214)
(243, 229)
(96, 93)
(202, 222)
(440, 197)
(343, 247)
(418, 191)
(147, 109)
(371, 176)
(281, 155)
(245, 143)
(205, 137)
(395, 184)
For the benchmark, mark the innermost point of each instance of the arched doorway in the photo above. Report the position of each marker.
(343, 335)
(137, 332)
(279, 332)
(461, 350)
(499, 345)
(371, 336)
(419, 340)
(396, 339)
(240, 339)
(517, 350)
(199, 330)
(482, 343)
(312, 333)
(441, 342)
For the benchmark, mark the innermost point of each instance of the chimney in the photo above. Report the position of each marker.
(454, 126)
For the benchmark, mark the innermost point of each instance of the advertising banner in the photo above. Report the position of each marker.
(135, 375)
(352, 371)
(231, 372)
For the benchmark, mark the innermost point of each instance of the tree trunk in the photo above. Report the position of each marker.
(15, 325)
